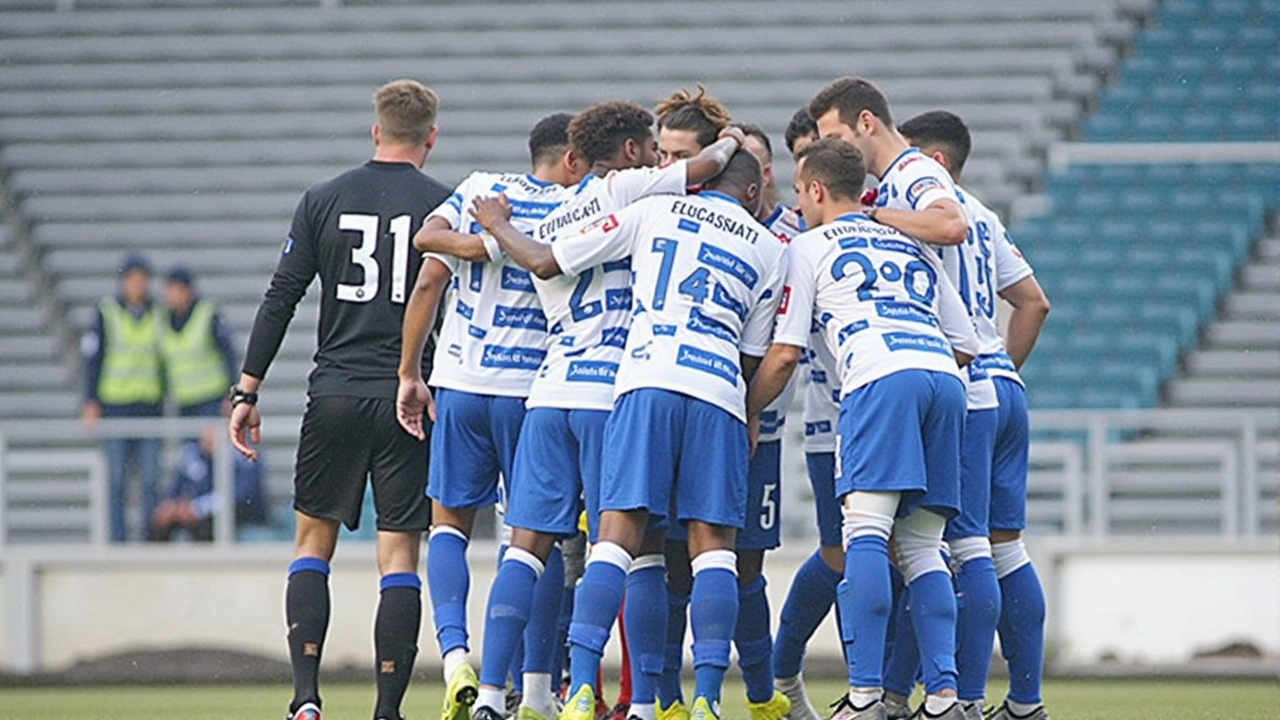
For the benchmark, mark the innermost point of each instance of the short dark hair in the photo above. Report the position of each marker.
(598, 132)
(742, 169)
(801, 125)
(701, 113)
(757, 132)
(941, 129)
(549, 138)
(850, 96)
(834, 163)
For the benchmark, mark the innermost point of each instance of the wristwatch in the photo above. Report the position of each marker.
(240, 396)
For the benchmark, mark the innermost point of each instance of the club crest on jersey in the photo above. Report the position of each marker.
(786, 300)
(921, 186)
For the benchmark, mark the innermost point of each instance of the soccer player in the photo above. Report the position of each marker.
(813, 588)
(901, 333)
(687, 123)
(558, 455)
(491, 344)
(944, 137)
(706, 277)
(917, 197)
(353, 231)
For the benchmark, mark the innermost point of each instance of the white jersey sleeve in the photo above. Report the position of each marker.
(795, 314)
(758, 331)
(611, 240)
(1011, 266)
(915, 181)
(954, 320)
(628, 186)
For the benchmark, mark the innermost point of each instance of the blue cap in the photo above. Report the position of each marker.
(180, 274)
(134, 261)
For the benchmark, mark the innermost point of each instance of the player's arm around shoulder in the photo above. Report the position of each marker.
(942, 222)
(494, 215)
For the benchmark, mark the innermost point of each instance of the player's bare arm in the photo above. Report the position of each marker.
(711, 160)
(245, 424)
(1030, 308)
(413, 398)
(437, 237)
(493, 214)
(775, 369)
(941, 223)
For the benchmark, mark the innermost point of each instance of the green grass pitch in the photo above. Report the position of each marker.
(1174, 699)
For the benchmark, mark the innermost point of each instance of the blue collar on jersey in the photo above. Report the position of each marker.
(777, 211)
(847, 217)
(716, 195)
(536, 181)
(901, 155)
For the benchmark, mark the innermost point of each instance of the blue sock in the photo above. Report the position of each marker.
(751, 637)
(594, 609)
(540, 633)
(713, 614)
(977, 614)
(1022, 633)
(448, 582)
(864, 596)
(669, 688)
(903, 661)
(645, 615)
(813, 590)
(562, 637)
(510, 602)
(933, 615)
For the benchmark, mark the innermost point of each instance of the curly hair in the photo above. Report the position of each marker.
(598, 132)
(701, 113)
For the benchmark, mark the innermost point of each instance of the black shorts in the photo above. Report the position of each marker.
(346, 440)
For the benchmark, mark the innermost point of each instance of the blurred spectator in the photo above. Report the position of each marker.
(199, 363)
(191, 503)
(123, 378)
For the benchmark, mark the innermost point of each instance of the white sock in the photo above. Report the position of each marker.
(493, 698)
(936, 704)
(864, 697)
(453, 660)
(643, 712)
(537, 694)
(1020, 709)
(791, 683)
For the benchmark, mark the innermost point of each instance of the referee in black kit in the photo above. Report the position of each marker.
(356, 231)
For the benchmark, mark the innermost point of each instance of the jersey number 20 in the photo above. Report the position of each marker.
(362, 255)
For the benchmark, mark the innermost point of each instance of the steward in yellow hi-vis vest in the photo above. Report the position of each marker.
(199, 362)
(124, 377)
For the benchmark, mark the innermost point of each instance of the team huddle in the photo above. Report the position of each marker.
(606, 347)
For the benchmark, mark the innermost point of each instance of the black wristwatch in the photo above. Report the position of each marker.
(240, 396)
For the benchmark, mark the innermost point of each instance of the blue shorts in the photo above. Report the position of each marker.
(822, 476)
(902, 433)
(669, 453)
(557, 466)
(1010, 459)
(473, 441)
(762, 529)
(976, 448)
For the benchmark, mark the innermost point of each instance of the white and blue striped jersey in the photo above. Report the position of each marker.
(707, 280)
(785, 224)
(493, 336)
(914, 181)
(590, 314)
(1004, 266)
(821, 393)
(883, 302)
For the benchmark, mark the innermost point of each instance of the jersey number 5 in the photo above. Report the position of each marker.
(362, 255)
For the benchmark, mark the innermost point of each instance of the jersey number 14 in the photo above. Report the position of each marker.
(362, 255)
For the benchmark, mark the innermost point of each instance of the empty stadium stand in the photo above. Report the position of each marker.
(188, 130)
